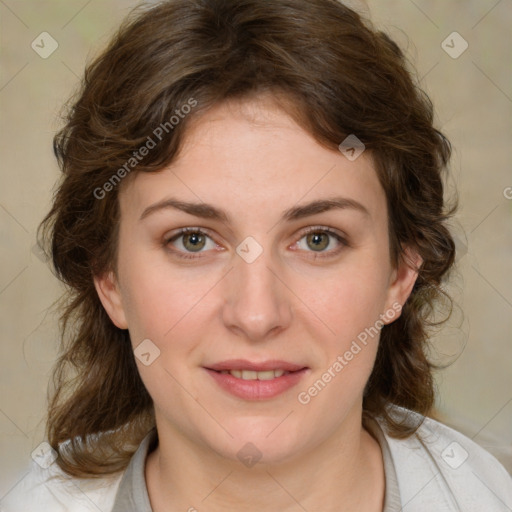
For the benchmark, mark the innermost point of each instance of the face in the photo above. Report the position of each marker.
(285, 267)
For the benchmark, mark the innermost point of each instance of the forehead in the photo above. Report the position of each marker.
(250, 157)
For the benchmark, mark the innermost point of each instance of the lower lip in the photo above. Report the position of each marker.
(257, 389)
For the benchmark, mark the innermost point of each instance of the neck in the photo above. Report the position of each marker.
(333, 476)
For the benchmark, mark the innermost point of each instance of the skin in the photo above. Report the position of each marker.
(252, 160)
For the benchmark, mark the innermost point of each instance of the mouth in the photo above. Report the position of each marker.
(256, 381)
(255, 375)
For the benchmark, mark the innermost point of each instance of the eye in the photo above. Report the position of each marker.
(193, 240)
(188, 241)
(318, 239)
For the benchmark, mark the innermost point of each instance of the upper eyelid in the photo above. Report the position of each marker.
(326, 229)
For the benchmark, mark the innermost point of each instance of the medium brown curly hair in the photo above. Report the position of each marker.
(336, 75)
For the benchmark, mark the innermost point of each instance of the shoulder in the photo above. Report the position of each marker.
(49, 488)
(439, 465)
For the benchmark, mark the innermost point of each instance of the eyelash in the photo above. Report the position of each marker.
(309, 230)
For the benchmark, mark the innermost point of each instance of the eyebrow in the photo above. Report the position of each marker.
(207, 211)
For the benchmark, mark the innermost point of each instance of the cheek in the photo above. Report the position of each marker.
(350, 304)
(350, 298)
(351, 309)
(156, 295)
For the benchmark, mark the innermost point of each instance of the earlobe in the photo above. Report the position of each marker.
(110, 296)
(403, 278)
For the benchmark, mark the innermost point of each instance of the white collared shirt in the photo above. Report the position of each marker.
(437, 469)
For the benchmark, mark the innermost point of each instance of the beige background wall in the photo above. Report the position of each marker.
(473, 96)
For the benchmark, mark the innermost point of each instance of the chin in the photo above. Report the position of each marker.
(261, 440)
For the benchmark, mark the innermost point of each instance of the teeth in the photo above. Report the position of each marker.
(252, 375)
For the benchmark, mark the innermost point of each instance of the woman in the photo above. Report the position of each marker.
(252, 227)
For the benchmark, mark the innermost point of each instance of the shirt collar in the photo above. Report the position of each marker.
(132, 494)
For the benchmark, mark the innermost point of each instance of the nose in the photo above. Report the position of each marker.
(257, 300)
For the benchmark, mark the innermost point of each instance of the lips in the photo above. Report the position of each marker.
(254, 375)
(252, 380)
(243, 364)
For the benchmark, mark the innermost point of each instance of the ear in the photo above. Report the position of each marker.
(402, 280)
(108, 291)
